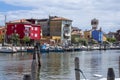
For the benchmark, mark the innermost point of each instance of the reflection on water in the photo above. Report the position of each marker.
(59, 66)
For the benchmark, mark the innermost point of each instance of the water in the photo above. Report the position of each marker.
(60, 66)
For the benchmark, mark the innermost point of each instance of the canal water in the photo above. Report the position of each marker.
(60, 66)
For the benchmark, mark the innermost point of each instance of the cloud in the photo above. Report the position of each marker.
(80, 11)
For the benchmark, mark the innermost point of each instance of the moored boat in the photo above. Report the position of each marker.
(7, 50)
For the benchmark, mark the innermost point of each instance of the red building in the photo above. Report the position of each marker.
(35, 32)
(23, 29)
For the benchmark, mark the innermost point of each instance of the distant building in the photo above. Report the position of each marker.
(76, 31)
(104, 37)
(60, 29)
(87, 34)
(2, 33)
(117, 35)
(97, 35)
(111, 35)
(56, 28)
(23, 29)
(44, 23)
(94, 23)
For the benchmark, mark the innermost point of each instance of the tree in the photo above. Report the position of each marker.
(15, 39)
(94, 41)
(1, 38)
(26, 40)
(112, 40)
(76, 40)
(83, 41)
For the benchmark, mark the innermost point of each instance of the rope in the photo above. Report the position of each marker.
(81, 72)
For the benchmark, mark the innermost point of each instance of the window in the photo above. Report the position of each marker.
(36, 28)
(31, 34)
(36, 35)
(15, 31)
(67, 25)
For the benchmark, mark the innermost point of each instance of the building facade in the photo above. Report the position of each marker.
(111, 35)
(23, 29)
(87, 34)
(61, 29)
(44, 23)
(117, 35)
(94, 23)
(2, 34)
(104, 38)
(76, 31)
(97, 35)
(53, 28)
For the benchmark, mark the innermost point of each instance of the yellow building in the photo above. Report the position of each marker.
(87, 34)
(77, 32)
(104, 38)
(2, 33)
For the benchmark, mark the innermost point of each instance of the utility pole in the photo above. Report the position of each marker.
(5, 29)
(4, 34)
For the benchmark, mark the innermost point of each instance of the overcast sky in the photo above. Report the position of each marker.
(80, 11)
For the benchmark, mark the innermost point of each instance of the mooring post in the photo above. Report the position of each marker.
(77, 73)
(119, 66)
(110, 74)
(38, 56)
(38, 73)
(34, 65)
(39, 63)
(27, 77)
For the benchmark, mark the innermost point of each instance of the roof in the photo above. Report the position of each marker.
(43, 19)
(60, 18)
(20, 21)
(75, 28)
(2, 27)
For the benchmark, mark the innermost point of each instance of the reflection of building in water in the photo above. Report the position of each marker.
(18, 67)
(55, 64)
(51, 63)
(65, 62)
(18, 64)
(96, 63)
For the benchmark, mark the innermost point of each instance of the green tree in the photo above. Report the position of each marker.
(83, 41)
(94, 41)
(26, 40)
(112, 40)
(1, 38)
(76, 40)
(15, 39)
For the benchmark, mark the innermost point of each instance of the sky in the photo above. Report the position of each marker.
(80, 11)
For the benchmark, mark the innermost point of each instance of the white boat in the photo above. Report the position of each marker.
(21, 49)
(7, 50)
